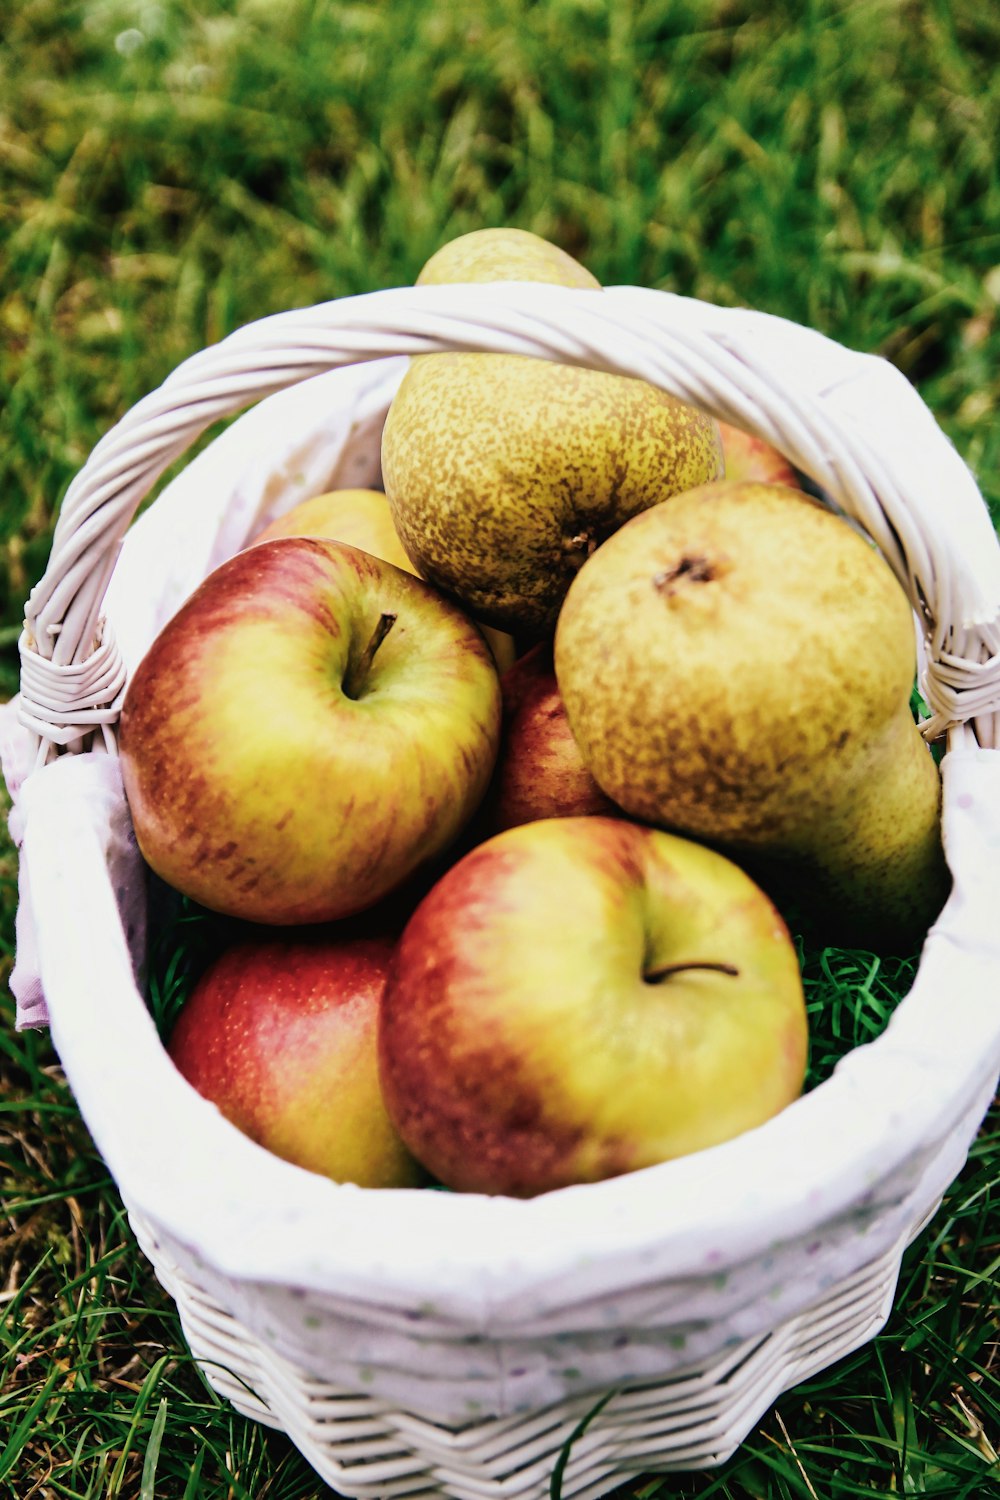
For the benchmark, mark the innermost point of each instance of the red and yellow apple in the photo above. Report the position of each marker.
(311, 728)
(582, 997)
(362, 518)
(280, 1034)
(747, 457)
(540, 772)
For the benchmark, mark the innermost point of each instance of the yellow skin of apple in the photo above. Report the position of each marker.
(262, 788)
(737, 665)
(522, 1049)
(280, 1034)
(362, 518)
(504, 472)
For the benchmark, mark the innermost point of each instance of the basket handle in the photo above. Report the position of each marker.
(849, 421)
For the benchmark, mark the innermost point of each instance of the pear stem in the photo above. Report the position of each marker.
(695, 569)
(354, 677)
(656, 975)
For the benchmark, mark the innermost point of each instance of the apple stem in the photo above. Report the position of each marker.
(655, 975)
(354, 677)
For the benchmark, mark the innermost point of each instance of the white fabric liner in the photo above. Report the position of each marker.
(383, 1291)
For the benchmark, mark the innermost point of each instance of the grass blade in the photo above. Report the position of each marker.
(148, 1487)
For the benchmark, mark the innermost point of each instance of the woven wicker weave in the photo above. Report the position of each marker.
(425, 1343)
(694, 1420)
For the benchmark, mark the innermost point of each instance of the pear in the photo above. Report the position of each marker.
(504, 473)
(737, 665)
(504, 255)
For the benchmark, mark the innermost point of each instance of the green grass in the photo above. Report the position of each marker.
(169, 171)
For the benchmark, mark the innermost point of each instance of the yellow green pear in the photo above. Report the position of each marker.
(737, 665)
(504, 473)
(504, 255)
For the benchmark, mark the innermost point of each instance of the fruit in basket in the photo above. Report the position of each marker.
(504, 472)
(540, 772)
(582, 997)
(362, 519)
(737, 665)
(504, 255)
(311, 727)
(280, 1034)
(747, 457)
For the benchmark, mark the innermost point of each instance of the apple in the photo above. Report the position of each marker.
(311, 728)
(540, 772)
(748, 457)
(280, 1034)
(362, 518)
(582, 997)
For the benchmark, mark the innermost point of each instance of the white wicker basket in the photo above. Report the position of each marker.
(413, 1342)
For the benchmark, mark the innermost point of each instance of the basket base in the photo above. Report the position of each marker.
(365, 1450)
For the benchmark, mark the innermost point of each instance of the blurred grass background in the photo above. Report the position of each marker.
(171, 170)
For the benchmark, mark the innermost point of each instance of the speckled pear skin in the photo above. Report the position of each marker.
(504, 255)
(737, 666)
(504, 472)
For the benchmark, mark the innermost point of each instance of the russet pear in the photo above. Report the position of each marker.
(504, 472)
(737, 665)
(504, 255)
